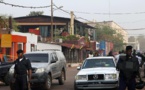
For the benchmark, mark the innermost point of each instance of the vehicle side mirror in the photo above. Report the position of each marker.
(79, 68)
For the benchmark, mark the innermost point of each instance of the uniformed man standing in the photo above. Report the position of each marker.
(128, 66)
(22, 72)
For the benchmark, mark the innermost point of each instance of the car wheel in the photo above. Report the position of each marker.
(48, 83)
(61, 79)
(6, 79)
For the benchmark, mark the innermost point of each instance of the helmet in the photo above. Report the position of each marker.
(140, 85)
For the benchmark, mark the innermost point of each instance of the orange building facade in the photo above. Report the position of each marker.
(9, 44)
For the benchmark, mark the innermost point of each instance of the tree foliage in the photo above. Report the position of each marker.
(4, 22)
(108, 34)
(35, 13)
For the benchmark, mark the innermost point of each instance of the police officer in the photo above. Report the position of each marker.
(22, 72)
(128, 66)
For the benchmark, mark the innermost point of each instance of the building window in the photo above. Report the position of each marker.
(20, 46)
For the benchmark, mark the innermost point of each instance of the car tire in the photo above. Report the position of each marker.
(61, 79)
(6, 80)
(48, 83)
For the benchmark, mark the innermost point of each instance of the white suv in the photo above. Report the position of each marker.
(46, 65)
(97, 73)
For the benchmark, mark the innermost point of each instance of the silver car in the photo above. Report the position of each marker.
(97, 73)
(46, 66)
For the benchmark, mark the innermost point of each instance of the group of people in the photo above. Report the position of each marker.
(127, 64)
(91, 54)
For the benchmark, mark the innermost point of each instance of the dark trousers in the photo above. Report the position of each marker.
(123, 84)
(21, 82)
(144, 69)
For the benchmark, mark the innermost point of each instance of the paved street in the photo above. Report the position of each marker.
(71, 72)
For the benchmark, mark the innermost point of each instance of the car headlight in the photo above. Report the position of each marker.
(11, 71)
(110, 76)
(40, 70)
(81, 77)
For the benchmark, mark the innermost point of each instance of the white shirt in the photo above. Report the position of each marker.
(20, 59)
(139, 59)
(90, 55)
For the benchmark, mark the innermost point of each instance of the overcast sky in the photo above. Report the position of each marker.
(131, 12)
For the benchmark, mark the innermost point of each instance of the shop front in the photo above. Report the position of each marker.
(9, 44)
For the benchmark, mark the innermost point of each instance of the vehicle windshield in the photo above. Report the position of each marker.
(37, 57)
(91, 63)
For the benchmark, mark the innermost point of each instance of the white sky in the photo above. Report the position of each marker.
(127, 21)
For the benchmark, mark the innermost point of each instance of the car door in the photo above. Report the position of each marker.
(57, 63)
(53, 65)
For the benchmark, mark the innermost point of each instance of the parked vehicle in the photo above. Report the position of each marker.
(97, 73)
(46, 66)
(4, 69)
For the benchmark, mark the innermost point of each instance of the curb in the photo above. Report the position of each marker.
(73, 64)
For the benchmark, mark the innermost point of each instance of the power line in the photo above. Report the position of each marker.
(61, 9)
(81, 12)
(136, 29)
(32, 7)
(68, 12)
(14, 5)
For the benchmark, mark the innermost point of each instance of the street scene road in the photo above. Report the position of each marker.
(71, 72)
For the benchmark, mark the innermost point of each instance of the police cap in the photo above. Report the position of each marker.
(19, 51)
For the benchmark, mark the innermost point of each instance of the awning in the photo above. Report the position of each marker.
(91, 49)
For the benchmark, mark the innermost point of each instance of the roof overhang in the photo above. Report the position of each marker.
(31, 24)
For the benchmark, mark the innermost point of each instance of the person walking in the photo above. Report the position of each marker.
(90, 54)
(128, 66)
(22, 72)
(110, 53)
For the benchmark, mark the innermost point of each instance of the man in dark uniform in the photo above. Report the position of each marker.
(128, 66)
(22, 70)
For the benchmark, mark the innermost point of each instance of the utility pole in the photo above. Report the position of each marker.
(10, 25)
(72, 23)
(51, 20)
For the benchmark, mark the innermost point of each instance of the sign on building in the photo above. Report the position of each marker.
(6, 40)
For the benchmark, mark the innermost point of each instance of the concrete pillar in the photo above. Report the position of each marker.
(15, 50)
(24, 47)
(12, 51)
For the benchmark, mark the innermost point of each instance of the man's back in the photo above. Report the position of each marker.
(128, 66)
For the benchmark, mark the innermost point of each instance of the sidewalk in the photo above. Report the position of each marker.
(73, 64)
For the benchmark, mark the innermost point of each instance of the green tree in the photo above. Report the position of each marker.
(4, 22)
(108, 34)
(35, 13)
